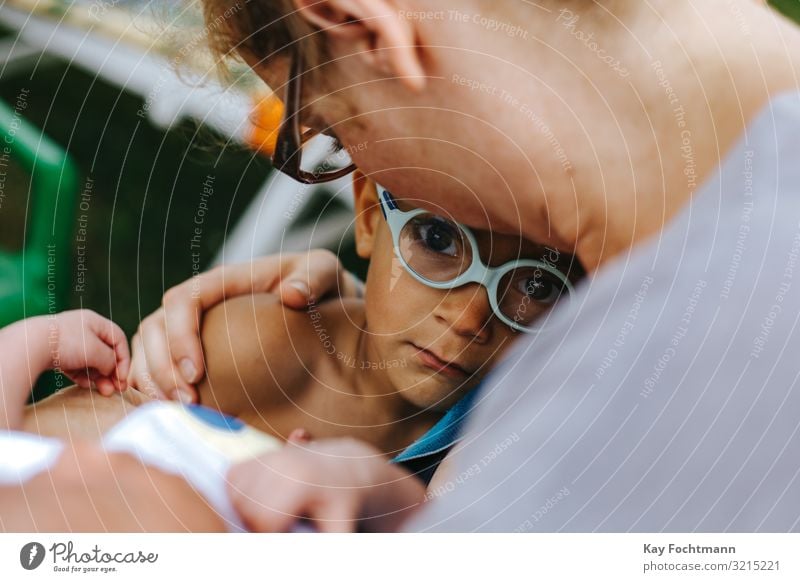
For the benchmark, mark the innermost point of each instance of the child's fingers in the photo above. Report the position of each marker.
(100, 355)
(309, 278)
(335, 513)
(267, 500)
(274, 515)
(123, 354)
(113, 336)
(295, 294)
(105, 385)
(104, 347)
(92, 378)
(299, 436)
(120, 382)
(80, 377)
(160, 365)
(182, 315)
(139, 376)
(84, 378)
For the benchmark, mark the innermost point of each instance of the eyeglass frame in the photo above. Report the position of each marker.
(288, 153)
(478, 272)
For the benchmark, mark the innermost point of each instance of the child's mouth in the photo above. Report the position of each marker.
(434, 362)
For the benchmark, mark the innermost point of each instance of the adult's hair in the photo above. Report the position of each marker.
(262, 30)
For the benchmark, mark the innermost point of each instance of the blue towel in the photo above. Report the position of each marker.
(442, 435)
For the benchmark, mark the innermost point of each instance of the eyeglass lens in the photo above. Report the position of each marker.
(439, 250)
(435, 248)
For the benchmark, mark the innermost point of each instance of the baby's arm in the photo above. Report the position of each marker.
(24, 355)
(83, 345)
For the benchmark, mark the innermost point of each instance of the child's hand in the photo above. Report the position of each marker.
(167, 351)
(340, 485)
(89, 349)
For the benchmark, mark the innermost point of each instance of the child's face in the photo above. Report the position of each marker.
(435, 344)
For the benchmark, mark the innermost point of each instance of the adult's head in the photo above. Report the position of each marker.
(582, 124)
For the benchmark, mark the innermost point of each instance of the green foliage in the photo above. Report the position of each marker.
(790, 8)
(142, 191)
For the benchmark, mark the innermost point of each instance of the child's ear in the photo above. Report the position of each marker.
(386, 41)
(368, 214)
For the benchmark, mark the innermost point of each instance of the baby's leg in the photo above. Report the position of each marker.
(78, 413)
(90, 490)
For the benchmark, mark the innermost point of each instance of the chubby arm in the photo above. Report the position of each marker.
(23, 356)
(167, 350)
(256, 354)
(85, 346)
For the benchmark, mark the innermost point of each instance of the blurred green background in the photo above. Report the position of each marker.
(145, 190)
(789, 7)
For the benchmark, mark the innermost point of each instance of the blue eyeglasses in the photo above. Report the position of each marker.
(443, 254)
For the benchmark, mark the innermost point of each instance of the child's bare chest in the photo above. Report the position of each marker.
(327, 410)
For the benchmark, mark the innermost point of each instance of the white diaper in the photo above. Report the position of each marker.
(194, 442)
(22, 455)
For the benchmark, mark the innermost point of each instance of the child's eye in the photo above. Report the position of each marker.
(439, 236)
(541, 288)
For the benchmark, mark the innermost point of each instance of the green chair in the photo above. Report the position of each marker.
(36, 279)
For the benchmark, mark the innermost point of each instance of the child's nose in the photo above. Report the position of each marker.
(467, 311)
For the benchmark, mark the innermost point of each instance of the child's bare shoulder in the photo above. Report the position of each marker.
(264, 319)
(256, 327)
(253, 342)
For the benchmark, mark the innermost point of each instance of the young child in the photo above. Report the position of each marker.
(84, 346)
(441, 304)
(384, 369)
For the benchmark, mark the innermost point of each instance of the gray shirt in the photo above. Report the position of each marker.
(665, 395)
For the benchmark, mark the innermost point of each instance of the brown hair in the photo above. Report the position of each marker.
(263, 29)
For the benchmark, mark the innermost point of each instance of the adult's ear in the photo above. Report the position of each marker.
(389, 41)
(368, 214)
